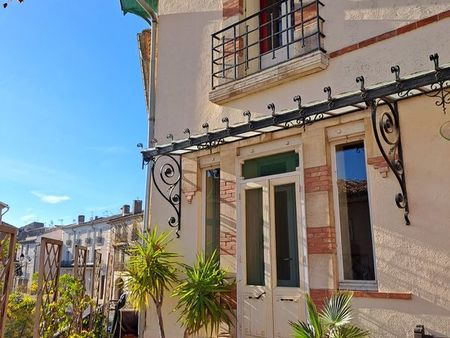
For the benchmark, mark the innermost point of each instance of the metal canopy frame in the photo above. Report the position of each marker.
(434, 83)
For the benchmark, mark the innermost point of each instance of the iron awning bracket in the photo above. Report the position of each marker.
(166, 177)
(387, 125)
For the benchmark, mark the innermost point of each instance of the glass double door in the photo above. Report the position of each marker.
(272, 272)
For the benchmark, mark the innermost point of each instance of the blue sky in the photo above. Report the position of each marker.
(72, 110)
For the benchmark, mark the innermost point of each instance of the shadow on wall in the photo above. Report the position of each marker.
(403, 11)
(404, 264)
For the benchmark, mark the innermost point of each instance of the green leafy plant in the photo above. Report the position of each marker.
(20, 313)
(34, 283)
(64, 315)
(204, 296)
(333, 321)
(150, 271)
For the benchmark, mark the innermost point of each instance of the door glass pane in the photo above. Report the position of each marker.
(254, 239)
(212, 221)
(356, 234)
(286, 236)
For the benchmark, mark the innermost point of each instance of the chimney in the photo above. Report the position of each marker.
(137, 206)
(80, 219)
(125, 210)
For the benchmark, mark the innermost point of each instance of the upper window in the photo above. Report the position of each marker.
(212, 211)
(356, 247)
(269, 33)
(270, 165)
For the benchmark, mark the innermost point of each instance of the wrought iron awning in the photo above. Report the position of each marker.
(434, 83)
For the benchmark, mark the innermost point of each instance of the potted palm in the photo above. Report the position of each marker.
(204, 301)
(150, 271)
(333, 321)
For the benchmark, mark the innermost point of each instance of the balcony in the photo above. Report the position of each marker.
(120, 238)
(280, 41)
(119, 266)
(67, 263)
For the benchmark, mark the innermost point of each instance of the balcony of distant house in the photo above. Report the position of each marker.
(281, 40)
(119, 266)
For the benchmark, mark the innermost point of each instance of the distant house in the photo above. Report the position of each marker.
(100, 234)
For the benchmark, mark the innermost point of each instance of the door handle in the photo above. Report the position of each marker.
(257, 297)
(287, 299)
(288, 259)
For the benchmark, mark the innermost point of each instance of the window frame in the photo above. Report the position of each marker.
(204, 169)
(366, 285)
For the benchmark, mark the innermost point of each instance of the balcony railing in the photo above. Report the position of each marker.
(119, 266)
(280, 32)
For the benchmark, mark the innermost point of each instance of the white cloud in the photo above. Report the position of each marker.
(50, 199)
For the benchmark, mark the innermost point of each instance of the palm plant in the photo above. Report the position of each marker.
(204, 296)
(150, 271)
(333, 321)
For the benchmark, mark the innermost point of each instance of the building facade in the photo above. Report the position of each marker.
(100, 234)
(288, 180)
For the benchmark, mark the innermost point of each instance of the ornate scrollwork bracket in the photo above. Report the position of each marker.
(439, 90)
(386, 128)
(166, 176)
(303, 120)
(209, 144)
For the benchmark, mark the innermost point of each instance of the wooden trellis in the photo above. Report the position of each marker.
(79, 269)
(7, 245)
(49, 269)
(108, 287)
(109, 280)
(95, 284)
(79, 272)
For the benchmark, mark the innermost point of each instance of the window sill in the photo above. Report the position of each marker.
(270, 77)
(359, 285)
(381, 295)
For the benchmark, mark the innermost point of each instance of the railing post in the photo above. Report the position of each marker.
(235, 53)
(212, 61)
(223, 56)
(287, 16)
(302, 18)
(246, 47)
(318, 23)
(272, 36)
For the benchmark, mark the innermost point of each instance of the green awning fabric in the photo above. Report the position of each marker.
(134, 7)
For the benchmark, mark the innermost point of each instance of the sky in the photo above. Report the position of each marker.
(72, 110)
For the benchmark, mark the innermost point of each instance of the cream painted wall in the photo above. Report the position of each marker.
(414, 258)
(184, 65)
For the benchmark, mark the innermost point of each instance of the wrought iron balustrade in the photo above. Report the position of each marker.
(277, 33)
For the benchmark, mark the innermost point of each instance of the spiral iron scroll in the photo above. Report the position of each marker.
(441, 92)
(386, 129)
(168, 184)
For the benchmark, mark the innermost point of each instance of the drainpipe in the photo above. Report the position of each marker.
(151, 119)
(151, 136)
(153, 22)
